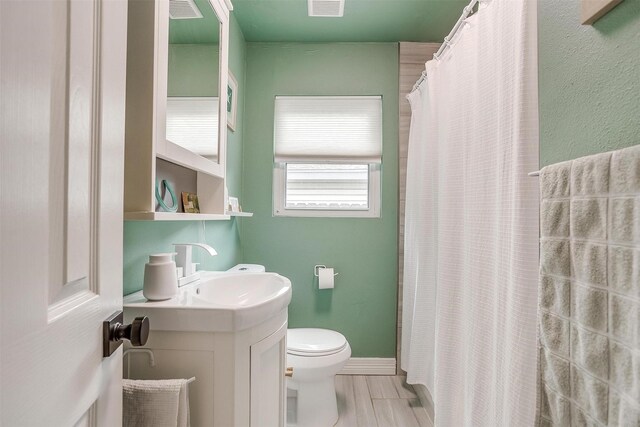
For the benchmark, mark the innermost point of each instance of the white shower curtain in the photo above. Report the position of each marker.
(471, 245)
(420, 247)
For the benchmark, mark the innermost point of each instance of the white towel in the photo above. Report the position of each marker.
(589, 323)
(155, 403)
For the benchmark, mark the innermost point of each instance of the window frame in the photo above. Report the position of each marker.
(310, 155)
(279, 196)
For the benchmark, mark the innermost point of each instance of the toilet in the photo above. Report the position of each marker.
(316, 356)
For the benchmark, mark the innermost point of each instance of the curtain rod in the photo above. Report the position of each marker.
(447, 40)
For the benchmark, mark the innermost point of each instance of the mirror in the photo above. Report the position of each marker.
(193, 78)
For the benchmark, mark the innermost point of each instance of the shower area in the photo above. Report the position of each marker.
(503, 268)
(471, 221)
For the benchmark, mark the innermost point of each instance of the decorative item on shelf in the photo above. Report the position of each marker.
(190, 202)
(232, 101)
(234, 206)
(226, 198)
(160, 196)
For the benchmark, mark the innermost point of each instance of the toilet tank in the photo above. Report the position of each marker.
(248, 268)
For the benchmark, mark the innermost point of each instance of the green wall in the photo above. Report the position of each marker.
(193, 70)
(144, 238)
(237, 65)
(363, 251)
(589, 80)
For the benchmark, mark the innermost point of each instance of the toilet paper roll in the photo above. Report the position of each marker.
(325, 278)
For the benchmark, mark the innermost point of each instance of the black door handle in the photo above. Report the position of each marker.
(114, 331)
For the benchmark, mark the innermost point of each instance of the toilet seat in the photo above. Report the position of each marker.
(312, 342)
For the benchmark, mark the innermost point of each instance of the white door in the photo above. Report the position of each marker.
(62, 97)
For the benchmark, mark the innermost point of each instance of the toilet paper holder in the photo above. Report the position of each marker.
(317, 267)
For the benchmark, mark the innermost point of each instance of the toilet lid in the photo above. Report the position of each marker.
(314, 342)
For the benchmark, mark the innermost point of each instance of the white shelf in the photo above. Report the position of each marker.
(173, 216)
(246, 214)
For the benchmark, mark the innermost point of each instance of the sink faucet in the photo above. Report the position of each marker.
(184, 257)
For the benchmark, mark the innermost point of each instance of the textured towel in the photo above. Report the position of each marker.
(589, 314)
(155, 403)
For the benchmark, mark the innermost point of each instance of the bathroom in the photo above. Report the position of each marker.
(94, 244)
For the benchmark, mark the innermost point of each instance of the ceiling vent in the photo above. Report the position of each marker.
(326, 8)
(183, 9)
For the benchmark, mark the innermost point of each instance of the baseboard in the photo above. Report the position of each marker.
(369, 366)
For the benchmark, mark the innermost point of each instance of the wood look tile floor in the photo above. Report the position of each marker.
(378, 401)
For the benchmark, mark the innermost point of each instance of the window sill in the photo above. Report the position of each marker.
(314, 213)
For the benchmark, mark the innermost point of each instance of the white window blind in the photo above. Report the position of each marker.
(331, 129)
(192, 122)
(327, 152)
(327, 186)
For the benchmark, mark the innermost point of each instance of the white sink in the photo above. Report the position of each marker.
(218, 302)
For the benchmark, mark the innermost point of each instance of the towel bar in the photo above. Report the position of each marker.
(152, 359)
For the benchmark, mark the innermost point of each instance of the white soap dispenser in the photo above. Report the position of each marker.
(160, 278)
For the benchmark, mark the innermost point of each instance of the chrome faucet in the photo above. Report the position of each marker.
(184, 260)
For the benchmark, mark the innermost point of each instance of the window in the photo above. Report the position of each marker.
(327, 156)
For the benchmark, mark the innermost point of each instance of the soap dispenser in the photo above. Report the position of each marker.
(160, 277)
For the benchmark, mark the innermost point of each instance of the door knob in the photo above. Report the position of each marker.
(114, 330)
(137, 332)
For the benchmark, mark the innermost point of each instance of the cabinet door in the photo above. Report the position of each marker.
(268, 385)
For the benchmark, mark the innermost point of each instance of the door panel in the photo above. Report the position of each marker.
(62, 133)
(74, 185)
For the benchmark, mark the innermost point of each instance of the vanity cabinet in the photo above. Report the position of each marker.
(268, 383)
(177, 73)
(239, 376)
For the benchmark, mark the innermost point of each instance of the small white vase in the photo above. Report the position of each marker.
(160, 278)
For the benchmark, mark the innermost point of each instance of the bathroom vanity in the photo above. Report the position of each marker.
(229, 332)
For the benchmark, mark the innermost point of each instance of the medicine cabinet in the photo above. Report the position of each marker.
(177, 72)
